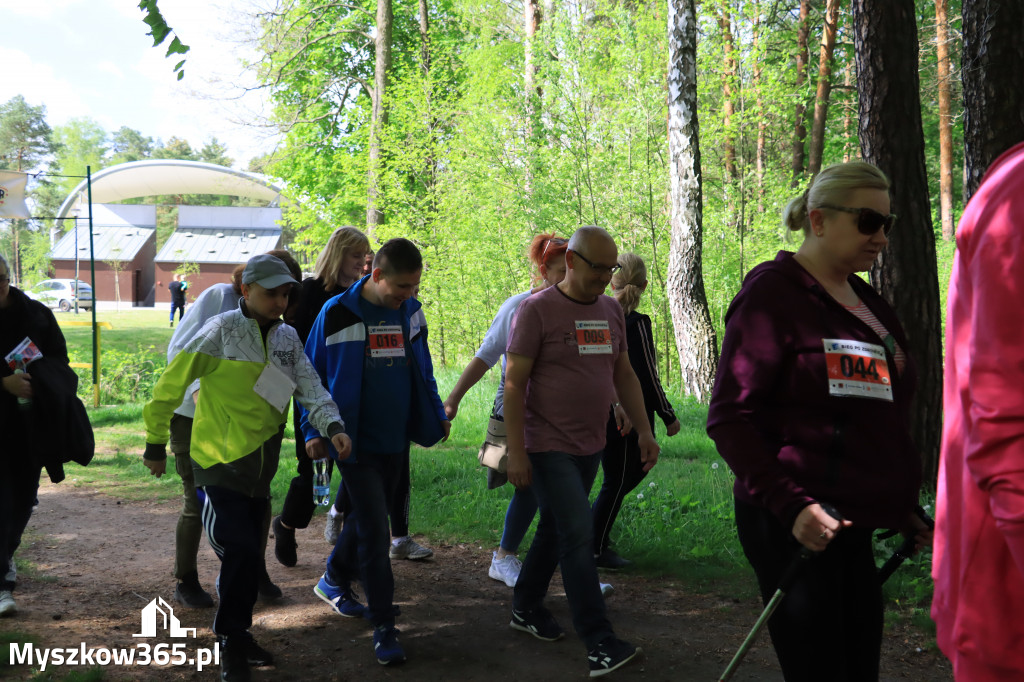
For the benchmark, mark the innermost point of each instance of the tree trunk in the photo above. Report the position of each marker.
(728, 92)
(848, 145)
(379, 115)
(800, 126)
(532, 93)
(945, 121)
(762, 123)
(821, 100)
(892, 138)
(696, 341)
(993, 61)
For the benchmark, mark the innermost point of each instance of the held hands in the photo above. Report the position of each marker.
(19, 385)
(814, 527)
(451, 409)
(447, 424)
(518, 469)
(341, 442)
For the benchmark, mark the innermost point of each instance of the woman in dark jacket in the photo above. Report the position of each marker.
(20, 465)
(811, 407)
(623, 469)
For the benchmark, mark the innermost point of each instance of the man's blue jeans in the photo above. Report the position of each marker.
(565, 536)
(365, 540)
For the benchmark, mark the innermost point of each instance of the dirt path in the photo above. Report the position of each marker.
(99, 560)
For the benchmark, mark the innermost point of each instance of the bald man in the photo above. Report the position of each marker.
(567, 362)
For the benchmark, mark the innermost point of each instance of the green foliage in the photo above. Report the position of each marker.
(160, 30)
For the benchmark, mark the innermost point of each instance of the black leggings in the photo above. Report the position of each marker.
(829, 625)
(623, 472)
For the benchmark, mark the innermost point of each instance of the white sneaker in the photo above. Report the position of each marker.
(607, 590)
(7, 605)
(505, 570)
(333, 527)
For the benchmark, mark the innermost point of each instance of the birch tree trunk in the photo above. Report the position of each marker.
(892, 138)
(945, 120)
(696, 341)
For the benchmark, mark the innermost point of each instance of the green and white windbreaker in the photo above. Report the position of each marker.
(232, 422)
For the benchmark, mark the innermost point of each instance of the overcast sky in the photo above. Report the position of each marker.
(93, 58)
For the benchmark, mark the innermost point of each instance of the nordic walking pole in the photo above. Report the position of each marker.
(904, 551)
(788, 579)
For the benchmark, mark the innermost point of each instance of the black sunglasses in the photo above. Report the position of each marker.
(600, 269)
(869, 221)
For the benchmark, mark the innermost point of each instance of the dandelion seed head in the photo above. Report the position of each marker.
(714, 465)
(639, 496)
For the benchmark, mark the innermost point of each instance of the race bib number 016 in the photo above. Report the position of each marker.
(593, 337)
(857, 369)
(386, 341)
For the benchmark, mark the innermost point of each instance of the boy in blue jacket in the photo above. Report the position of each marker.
(372, 354)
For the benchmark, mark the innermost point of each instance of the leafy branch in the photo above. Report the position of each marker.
(160, 30)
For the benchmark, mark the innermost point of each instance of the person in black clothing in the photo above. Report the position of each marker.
(178, 289)
(20, 463)
(623, 469)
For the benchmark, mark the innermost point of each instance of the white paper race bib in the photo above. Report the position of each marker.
(386, 341)
(593, 337)
(857, 369)
(275, 387)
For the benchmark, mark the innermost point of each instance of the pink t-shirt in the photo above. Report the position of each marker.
(574, 347)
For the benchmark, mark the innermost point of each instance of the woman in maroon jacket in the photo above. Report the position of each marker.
(811, 406)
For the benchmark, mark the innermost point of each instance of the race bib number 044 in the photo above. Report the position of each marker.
(386, 341)
(857, 369)
(593, 337)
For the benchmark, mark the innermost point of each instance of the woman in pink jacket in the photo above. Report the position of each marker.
(978, 565)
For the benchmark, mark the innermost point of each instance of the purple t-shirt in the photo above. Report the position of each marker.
(574, 347)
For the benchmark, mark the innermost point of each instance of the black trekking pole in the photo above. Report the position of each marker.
(788, 579)
(905, 550)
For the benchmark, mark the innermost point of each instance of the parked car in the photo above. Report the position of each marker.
(61, 293)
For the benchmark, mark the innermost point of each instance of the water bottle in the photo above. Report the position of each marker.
(19, 368)
(321, 482)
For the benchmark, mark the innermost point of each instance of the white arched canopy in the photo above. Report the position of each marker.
(154, 177)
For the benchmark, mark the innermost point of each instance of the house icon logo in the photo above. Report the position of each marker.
(158, 611)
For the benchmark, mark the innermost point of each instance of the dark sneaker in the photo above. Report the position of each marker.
(386, 646)
(609, 655)
(539, 623)
(257, 655)
(610, 560)
(284, 543)
(268, 591)
(234, 663)
(407, 548)
(191, 594)
(341, 598)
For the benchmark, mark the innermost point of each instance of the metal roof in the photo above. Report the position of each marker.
(218, 244)
(154, 177)
(121, 243)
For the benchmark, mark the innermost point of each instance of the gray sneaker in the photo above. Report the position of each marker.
(7, 605)
(407, 548)
(12, 572)
(333, 528)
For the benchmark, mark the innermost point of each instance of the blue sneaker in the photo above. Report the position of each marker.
(386, 646)
(341, 599)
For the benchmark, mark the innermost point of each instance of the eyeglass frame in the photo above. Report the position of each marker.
(886, 223)
(599, 269)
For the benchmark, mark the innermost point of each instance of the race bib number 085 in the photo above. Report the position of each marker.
(593, 337)
(857, 369)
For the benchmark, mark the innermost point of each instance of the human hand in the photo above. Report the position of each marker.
(451, 408)
(814, 527)
(673, 428)
(195, 397)
(447, 429)
(157, 467)
(341, 442)
(19, 385)
(916, 528)
(518, 469)
(649, 450)
(316, 448)
(622, 422)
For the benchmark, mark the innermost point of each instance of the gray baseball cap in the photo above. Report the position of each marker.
(268, 271)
